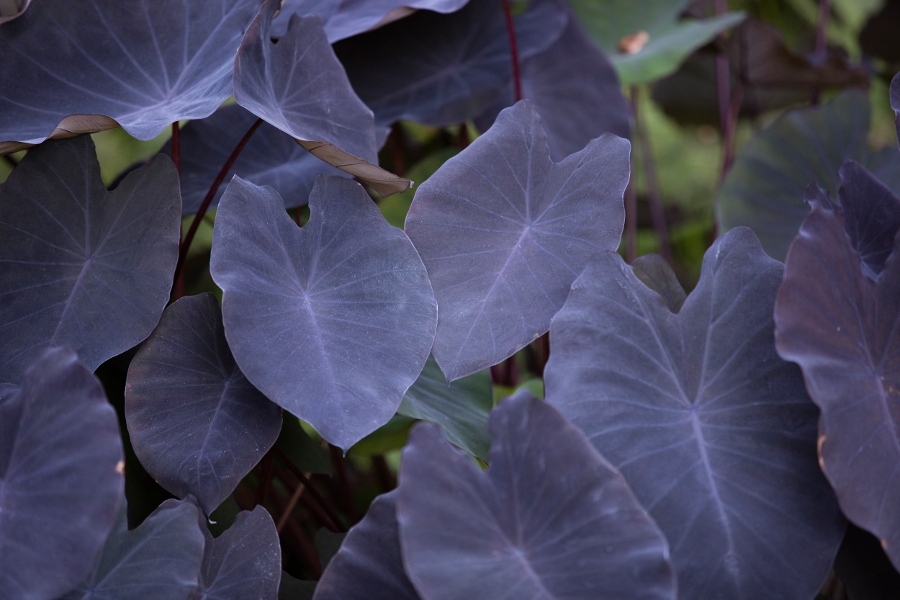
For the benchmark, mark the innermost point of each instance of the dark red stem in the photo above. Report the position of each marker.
(312, 491)
(262, 489)
(821, 47)
(514, 50)
(342, 483)
(176, 147)
(654, 193)
(192, 231)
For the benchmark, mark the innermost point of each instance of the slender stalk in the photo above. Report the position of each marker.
(654, 195)
(343, 484)
(176, 147)
(262, 489)
(398, 149)
(192, 230)
(514, 50)
(312, 491)
(463, 141)
(314, 508)
(299, 540)
(821, 46)
(737, 97)
(289, 508)
(723, 77)
(383, 473)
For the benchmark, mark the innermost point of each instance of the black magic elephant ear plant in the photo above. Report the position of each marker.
(242, 357)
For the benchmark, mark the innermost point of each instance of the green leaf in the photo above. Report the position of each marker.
(666, 50)
(460, 408)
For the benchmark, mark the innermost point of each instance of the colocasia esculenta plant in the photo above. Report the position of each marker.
(211, 359)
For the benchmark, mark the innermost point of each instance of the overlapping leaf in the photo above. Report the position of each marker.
(837, 316)
(668, 41)
(346, 18)
(298, 86)
(551, 519)
(504, 232)
(160, 559)
(141, 64)
(10, 9)
(460, 408)
(271, 157)
(244, 562)
(764, 188)
(714, 433)
(450, 68)
(574, 87)
(80, 266)
(60, 476)
(333, 321)
(369, 563)
(196, 423)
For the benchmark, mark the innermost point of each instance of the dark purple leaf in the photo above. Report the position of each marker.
(895, 101)
(764, 189)
(714, 433)
(334, 321)
(196, 423)
(504, 232)
(143, 64)
(369, 563)
(871, 216)
(654, 272)
(346, 18)
(61, 481)
(449, 68)
(80, 266)
(550, 519)
(271, 157)
(461, 408)
(327, 544)
(298, 86)
(160, 560)
(575, 87)
(244, 562)
(840, 324)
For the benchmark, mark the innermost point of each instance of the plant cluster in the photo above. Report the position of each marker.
(169, 382)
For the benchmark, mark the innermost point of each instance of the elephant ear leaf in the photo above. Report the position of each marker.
(838, 317)
(714, 433)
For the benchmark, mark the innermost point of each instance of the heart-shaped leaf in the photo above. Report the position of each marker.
(244, 562)
(667, 43)
(346, 19)
(159, 560)
(714, 433)
(551, 519)
(503, 249)
(334, 321)
(299, 86)
(764, 188)
(450, 68)
(838, 318)
(141, 64)
(196, 423)
(80, 266)
(271, 157)
(574, 86)
(460, 408)
(369, 563)
(61, 481)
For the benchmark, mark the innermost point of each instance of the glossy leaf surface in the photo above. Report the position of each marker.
(503, 250)
(141, 63)
(461, 408)
(764, 188)
(575, 90)
(298, 86)
(80, 266)
(515, 531)
(714, 433)
(449, 68)
(369, 563)
(334, 321)
(244, 562)
(60, 477)
(158, 560)
(839, 321)
(668, 42)
(197, 425)
(346, 18)
(271, 157)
